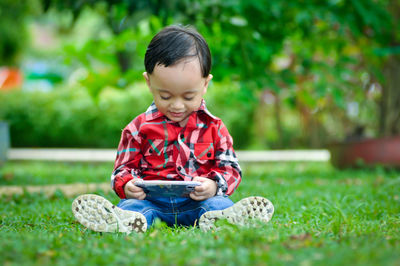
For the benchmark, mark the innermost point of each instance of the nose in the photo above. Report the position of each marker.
(177, 105)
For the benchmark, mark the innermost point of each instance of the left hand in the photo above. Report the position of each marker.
(206, 190)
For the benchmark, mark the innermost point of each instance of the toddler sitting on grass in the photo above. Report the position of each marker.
(176, 139)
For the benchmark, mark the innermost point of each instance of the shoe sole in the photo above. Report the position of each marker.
(241, 213)
(100, 215)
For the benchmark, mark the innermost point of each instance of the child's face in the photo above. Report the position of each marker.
(178, 90)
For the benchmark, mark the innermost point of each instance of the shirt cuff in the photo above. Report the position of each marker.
(222, 185)
(119, 185)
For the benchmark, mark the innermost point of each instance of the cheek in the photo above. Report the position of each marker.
(195, 104)
(161, 104)
(164, 104)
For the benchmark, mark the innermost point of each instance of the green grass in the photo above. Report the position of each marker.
(322, 217)
(44, 173)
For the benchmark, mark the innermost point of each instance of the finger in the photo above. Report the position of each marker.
(142, 196)
(129, 195)
(139, 195)
(200, 188)
(193, 196)
(200, 196)
(197, 193)
(134, 188)
(129, 184)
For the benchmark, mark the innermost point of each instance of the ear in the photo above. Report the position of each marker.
(207, 82)
(147, 78)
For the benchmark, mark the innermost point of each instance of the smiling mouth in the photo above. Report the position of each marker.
(177, 114)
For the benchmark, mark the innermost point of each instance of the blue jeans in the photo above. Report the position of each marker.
(174, 211)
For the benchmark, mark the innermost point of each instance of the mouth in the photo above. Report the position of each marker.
(177, 114)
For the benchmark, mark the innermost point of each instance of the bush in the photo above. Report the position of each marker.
(235, 106)
(71, 118)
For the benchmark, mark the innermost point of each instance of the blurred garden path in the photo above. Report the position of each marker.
(108, 155)
(68, 190)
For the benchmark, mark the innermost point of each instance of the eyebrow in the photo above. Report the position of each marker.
(186, 92)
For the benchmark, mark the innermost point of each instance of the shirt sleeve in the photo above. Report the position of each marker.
(128, 158)
(227, 172)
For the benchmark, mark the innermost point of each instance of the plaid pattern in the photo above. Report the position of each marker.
(152, 147)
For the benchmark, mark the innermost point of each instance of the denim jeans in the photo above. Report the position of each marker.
(174, 211)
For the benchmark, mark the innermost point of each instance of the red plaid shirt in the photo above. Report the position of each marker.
(152, 147)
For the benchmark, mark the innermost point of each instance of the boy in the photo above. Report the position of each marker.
(177, 138)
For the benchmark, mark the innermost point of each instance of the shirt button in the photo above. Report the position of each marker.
(209, 154)
(179, 168)
(182, 136)
(150, 151)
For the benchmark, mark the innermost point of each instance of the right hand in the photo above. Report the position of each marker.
(134, 192)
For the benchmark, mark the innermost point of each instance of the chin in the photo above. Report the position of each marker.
(179, 120)
(174, 119)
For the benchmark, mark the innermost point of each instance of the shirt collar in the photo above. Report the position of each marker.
(203, 108)
(153, 113)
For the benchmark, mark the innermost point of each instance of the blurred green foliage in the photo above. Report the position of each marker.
(70, 118)
(332, 64)
(12, 30)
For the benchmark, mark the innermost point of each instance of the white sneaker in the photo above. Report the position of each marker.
(100, 215)
(241, 213)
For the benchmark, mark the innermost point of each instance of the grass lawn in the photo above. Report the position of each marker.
(322, 217)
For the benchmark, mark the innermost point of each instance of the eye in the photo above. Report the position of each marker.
(188, 96)
(165, 98)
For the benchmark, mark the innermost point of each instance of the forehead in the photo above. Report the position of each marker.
(183, 76)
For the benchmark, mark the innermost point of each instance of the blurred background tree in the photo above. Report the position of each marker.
(286, 74)
(12, 30)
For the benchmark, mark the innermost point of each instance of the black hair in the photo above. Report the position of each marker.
(174, 43)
